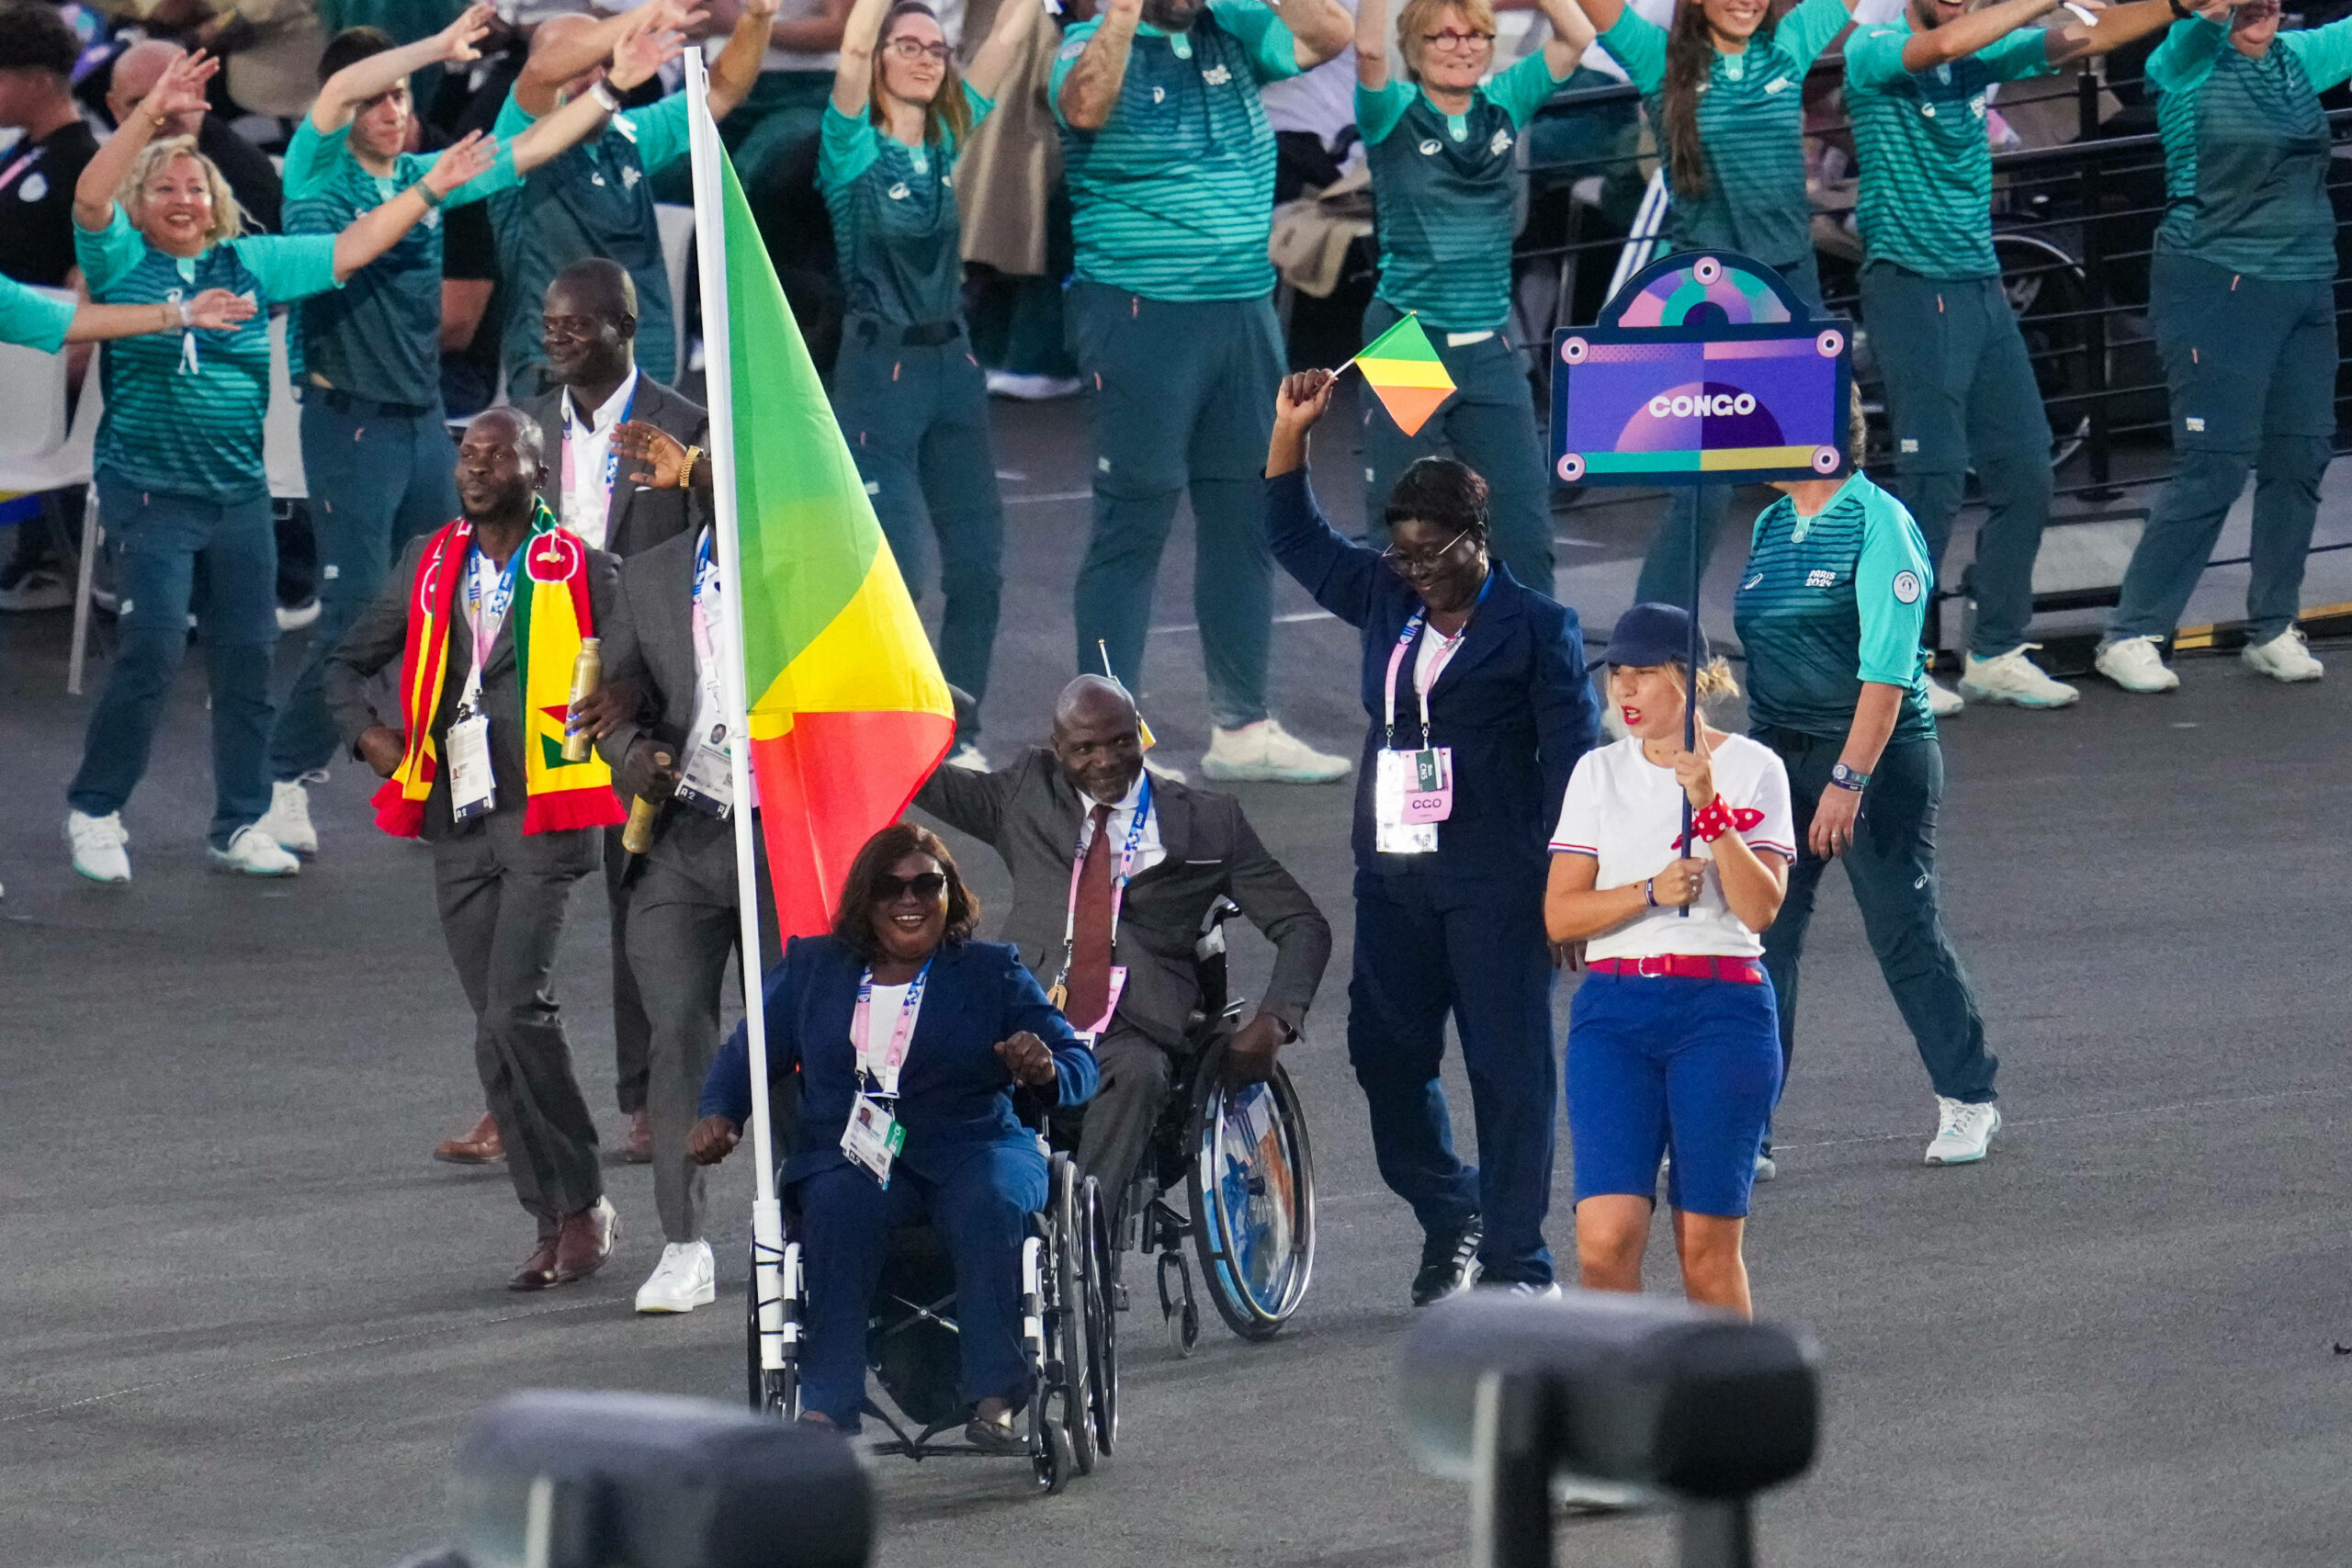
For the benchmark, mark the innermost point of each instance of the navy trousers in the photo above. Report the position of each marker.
(982, 1210)
(1425, 948)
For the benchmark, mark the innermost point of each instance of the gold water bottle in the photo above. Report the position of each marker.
(637, 835)
(587, 674)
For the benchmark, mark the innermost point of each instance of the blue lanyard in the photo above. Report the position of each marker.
(612, 452)
(485, 626)
(1118, 884)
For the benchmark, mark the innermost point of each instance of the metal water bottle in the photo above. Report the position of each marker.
(587, 674)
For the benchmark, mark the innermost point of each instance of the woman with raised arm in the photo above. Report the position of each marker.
(179, 456)
(909, 394)
(1445, 184)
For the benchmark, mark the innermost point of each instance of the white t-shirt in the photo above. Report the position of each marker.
(882, 1009)
(588, 472)
(1626, 812)
(1150, 851)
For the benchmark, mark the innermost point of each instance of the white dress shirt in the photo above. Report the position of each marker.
(589, 473)
(1150, 851)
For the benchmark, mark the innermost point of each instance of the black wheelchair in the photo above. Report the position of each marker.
(910, 1337)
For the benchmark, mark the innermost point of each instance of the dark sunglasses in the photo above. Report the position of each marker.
(888, 889)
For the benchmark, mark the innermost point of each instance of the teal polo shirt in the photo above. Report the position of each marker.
(33, 320)
(895, 226)
(1829, 602)
(2247, 150)
(1443, 188)
(1751, 122)
(591, 199)
(1173, 199)
(1926, 191)
(184, 410)
(379, 335)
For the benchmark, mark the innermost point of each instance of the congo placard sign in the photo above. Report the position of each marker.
(1704, 367)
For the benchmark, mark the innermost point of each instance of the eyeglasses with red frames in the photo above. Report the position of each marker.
(1455, 38)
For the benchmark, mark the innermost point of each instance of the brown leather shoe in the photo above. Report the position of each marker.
(639, 1150)
(584, 1241)
(481, 1146)
(538, 1270)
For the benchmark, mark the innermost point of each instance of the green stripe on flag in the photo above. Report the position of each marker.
(1405, 340)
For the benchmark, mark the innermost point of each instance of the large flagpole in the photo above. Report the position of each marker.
(710, 242)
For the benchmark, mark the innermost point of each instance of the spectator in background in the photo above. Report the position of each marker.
(375, 445)
(1170, 165)
(251, 178)
(1445, 184)
(907, 389)
(1015, 217)
(594, 200)
(270, 51)
(777, 129)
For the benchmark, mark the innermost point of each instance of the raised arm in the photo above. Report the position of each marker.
(2117, 25)
(1972, 31)
(970, 802)
(379, 228)
(215, 310)
(570, 45)
(860, 36)
(1318, 28)
(178, 91)
(1602, 14)
(1338, 573)
(362, 80)
(994, 59)
(1090, 90)
(1573, 30)
(733, 73)
(1372, 36)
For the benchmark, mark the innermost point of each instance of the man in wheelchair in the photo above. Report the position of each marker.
(1115, 874)
(908, 1040)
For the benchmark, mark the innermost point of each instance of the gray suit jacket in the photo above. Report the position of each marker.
(650, 639)
(375, 641)
(1029, 813)
(638, 518)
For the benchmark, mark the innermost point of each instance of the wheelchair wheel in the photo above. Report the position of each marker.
(1252, 1192)
(1054, 1462)
(1069, 1403)
(1101, 1315)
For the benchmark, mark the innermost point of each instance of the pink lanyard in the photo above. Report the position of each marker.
(1405, 639)
(861, 1031)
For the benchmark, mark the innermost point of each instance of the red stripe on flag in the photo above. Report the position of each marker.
(826, 786)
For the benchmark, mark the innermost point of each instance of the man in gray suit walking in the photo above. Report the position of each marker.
(1112, 872)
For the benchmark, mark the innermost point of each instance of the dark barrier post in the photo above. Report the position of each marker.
(1511, 1392)
(2097, 303)
(561, 1480)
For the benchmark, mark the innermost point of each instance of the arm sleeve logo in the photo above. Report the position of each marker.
(1906, 587)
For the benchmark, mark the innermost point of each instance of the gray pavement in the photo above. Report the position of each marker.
(245, 1317)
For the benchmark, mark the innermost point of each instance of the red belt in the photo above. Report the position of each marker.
(1681, 967)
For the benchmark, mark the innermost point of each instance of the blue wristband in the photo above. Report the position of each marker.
(1845, 777)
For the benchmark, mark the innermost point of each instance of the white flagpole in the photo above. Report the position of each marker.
(710, 238)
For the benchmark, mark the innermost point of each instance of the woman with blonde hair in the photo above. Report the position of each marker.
(1672, 1040)
(179, 456)
(907, 392)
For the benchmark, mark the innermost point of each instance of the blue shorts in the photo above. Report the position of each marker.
(1689, 1064)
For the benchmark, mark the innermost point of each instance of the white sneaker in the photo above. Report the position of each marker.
(685, 1280)
(40, 588)
(1766, 1168)
(254, 853)
(287, 820)
(2284, 658)
(968, 757)
(97, 844)
(294, 617)
(1032, 389)
(2135, 664)
(1942, 701)
(1962, 1132)
(1267, 753)
(2011, 677)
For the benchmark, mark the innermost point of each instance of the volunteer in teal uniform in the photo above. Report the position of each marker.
(1830, 610)
(1960, 389)
(1170, 168)
(180, 477)
(2242, 299)
(1445, 186)
(376, 448)
(596, 199)
(31, 319)
(908, 393)
(1725, 91)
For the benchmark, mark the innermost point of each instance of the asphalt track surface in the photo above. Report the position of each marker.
(245, 1317)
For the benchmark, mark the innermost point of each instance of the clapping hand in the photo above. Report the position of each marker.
(464, 160)
(664, 455)
(1027, 1058)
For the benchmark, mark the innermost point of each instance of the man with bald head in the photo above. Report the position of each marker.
(1113, 870)
(251, 178)
(473, 766)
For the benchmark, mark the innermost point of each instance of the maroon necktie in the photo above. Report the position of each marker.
(1090, 956)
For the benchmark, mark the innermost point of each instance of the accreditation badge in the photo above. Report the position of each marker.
(873, 1138)
(473, 787)
(1412, 792)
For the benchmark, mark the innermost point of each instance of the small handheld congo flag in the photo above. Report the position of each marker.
(1402, 366)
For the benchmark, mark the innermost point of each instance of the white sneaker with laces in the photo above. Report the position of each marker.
(1942, 701)
(98, 843)
(2135, 663)
(685, 1279)
(968, 757)
(1031, 389)
(287, 820)
(254, 853)
(40, 588)
(2284, 658)
(294, 617)
(2012, 678)
(1964, 1132)
(1265, 752)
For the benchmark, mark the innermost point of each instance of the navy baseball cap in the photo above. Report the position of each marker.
(1650, 635)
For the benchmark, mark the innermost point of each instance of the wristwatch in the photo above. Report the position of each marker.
(1845, 777)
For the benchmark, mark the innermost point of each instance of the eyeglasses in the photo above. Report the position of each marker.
(888, 889)
(1453, 38)
(1406, 563)
(913, 48)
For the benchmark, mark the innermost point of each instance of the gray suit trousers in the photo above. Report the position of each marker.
(1115, 1127)
(680, 936)
(502, 901)
(632, 1031)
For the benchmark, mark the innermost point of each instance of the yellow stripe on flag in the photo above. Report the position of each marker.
(1406, 373)
(871, 656)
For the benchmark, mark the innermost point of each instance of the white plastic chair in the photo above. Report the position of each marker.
(677, 226)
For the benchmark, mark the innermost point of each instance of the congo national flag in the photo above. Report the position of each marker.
(848, 711)
(1402, 367)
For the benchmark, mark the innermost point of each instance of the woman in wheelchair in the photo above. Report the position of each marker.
(911, 1040)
